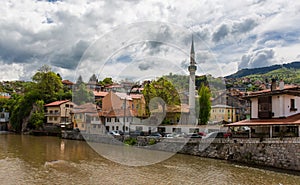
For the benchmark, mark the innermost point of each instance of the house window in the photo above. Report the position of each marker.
(117, 120)
(55, 119)
(108, 119)
(293, 106)
(67, 105)
(117, 127)
(177, 130)
(82, 125)
(277, 129)
(50, 118)
(113, 127)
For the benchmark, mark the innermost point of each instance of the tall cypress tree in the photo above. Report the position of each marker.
(204, 104)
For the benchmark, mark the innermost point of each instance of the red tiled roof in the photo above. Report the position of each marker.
(113, 86)
(286, 89)
(5, 97)
(67, 82)
(56, 103)
(291, 120)
(100, 93)
(86, 108)
(118, 113)
(136, 96)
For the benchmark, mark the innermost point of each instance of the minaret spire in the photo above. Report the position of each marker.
(192, 69)
(192, 60)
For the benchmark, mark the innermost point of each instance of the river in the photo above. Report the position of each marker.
(49, 160)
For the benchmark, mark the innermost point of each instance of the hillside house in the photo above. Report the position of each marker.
(119, 110)
(275, 112)
(59, 112)
(86, 119)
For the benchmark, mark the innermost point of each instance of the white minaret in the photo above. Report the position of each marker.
(192, 69)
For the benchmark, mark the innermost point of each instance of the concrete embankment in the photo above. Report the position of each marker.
(273, 152)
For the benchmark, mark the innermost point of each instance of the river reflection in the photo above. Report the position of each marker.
(50, 160)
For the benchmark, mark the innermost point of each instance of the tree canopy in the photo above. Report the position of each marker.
(204, 104)
(163, 89)
(47, 84)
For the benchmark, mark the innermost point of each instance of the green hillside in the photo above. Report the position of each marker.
(289, 76)
(263, 70)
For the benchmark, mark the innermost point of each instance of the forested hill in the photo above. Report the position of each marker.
(263, 70)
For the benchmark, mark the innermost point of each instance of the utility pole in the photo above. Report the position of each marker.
(124, 115)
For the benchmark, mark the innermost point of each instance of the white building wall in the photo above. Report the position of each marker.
(287, 105)
(254, 108)
(276, 106)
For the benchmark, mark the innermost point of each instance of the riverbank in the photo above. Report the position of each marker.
(272, 152)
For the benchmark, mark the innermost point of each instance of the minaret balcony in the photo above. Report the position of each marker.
(192, 68)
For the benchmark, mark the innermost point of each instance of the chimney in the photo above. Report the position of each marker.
(273, 84)
(281, 84)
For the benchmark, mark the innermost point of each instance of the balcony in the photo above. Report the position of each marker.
(3, 120)
(53, 114)
(96, 122)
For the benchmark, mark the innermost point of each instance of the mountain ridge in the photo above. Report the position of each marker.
(263, 70)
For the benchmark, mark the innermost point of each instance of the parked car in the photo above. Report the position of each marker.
(217, 134)
(168, 135)
(180, 135)
(194, 135)
(136, 133)
(155, 135)
(202, 134)
(114, 133)
(120, 132)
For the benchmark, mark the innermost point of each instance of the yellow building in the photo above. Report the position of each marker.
(59, 112)
(86, 115)
(219, 113)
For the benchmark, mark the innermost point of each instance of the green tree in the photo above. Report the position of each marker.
(82, 95)
(93, 78)
(44, 88)
(106, 81)
(79, 80)
(47, 84)
(36, 120)
(204, 104)
(163, 89)
(149, 92)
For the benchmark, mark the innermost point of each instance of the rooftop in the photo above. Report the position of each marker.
(222, 106)
(67, 82)
(291, 120)
(288, 89)
(56, 103)
(100, 93)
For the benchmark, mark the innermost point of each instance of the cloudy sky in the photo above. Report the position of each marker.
(144, 39)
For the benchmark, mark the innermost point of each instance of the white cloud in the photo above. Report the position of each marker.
(239, 33)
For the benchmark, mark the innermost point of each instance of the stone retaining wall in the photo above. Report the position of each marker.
(274, 152)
